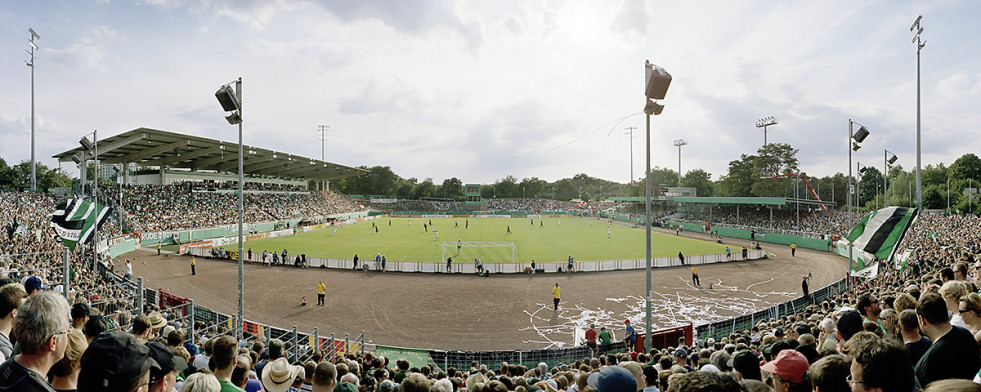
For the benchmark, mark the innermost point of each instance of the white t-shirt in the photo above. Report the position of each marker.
(129, 269)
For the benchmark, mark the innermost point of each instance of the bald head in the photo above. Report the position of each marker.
(350, 378)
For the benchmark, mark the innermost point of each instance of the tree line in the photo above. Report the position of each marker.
(752, 175)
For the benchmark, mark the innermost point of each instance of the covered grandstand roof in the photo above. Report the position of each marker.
(156, 148)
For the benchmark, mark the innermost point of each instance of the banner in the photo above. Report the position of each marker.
(879, 232)
(77, 220)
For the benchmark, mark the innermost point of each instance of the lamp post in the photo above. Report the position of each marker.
(765, 122)
(919, 46)
(34, 47)
(656, 84)
(323, 139)
(854, 144)
(678, 143)
(886, 161)
(630, 135)
(92, 147)
(231, 101)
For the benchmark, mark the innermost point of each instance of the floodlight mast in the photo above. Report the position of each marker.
(34, 37)
(231, 101)
(678, 143)
(919, 46)
(764, 123)
(854, 144)
(656, 84)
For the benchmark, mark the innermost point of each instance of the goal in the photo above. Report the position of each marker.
(487, 252)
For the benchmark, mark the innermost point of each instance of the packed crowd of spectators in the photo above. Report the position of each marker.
(813, 223)
(542, 204)
(178, 207)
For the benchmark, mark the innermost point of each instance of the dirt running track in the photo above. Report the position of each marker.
(465, 312)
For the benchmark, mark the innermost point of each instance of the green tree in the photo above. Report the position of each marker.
(507, 187)
(738, 182)
(452, 188)
(533, 186)
(701, 180)
(869, 186)
(426, 188)
(968, 166)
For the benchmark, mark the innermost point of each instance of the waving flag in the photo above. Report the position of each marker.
(879, 232)
(76, 221)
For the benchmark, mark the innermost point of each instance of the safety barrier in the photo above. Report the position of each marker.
(467, 267)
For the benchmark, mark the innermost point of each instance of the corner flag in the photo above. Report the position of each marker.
(879, 232)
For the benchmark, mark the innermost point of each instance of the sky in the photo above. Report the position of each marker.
(480, 90)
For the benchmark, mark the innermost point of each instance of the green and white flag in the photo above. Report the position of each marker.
(76, 221)
(880, 232)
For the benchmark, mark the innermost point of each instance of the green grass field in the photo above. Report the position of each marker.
(547, 240)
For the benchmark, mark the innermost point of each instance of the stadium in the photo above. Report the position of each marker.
(176, 261)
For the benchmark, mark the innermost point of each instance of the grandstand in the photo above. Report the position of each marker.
(192, 201)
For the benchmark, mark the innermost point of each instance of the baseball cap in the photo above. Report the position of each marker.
(627, 321)
(82, 309)
(681, 353)
(849, 323)
(612, 379)
(168, 361)
(113, 362)
(790, 365)
(747, 364)
(778, 332)
(34, 283)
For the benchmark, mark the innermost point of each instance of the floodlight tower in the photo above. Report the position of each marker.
(231, 101)
(854, 144)
(765, 122)
(919, 46)
(678, 143)
(34, 37)
(886, 162)
(656, 84)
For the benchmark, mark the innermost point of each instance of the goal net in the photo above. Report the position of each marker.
(487, 252)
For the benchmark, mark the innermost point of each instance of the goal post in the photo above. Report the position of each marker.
(487, 252)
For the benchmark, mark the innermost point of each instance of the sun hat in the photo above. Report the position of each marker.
(157, 320)
(278, 375)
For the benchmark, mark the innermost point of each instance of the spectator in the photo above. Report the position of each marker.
(849, 323)
(117, 362)
(954, 352)
(65, 371)
(240, 376)
(41, 322)
(612, 379)
(80, 314)
(828, 374)
(12, 296)
(164, 376)
(224, 355)
(324, 377)
(279, 375)
(746, 365)
(788, 372)
(201, 382)
(916, 344)
(882, 364)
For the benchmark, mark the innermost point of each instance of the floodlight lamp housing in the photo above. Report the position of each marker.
(234, 118)
(861, 134)
(228, 98)
(77, 159)
(856, 146)
(893, 159)
(86, 144)
(656, 82)
(653, 108)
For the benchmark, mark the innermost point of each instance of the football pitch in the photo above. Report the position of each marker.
(539, 239)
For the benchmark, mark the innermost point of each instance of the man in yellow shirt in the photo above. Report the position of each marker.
(793, 250)
(694, 276)
(321, 293)
(193, 261)
(555, 296)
